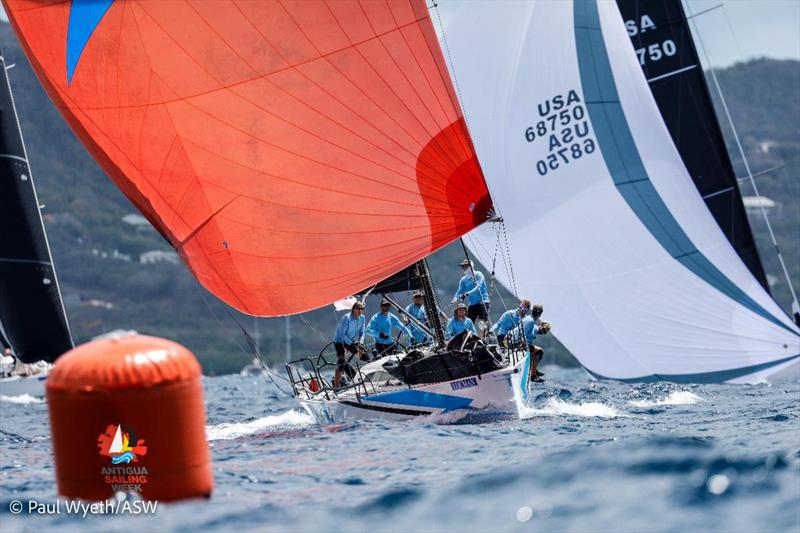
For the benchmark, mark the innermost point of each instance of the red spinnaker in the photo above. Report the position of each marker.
(292, 152)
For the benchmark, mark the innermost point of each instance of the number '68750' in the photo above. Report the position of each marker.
(563, 156)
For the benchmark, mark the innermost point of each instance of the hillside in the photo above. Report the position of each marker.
(119, 273)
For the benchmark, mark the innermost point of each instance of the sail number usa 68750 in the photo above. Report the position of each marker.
(565, 129)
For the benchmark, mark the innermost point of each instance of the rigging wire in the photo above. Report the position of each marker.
(271, 374)
(506, 253)
(707, 54)
(452, 68)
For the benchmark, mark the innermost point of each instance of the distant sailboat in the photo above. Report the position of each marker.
(33, 322)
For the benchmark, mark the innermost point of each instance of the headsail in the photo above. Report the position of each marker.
(32, 317)
(292, 152)
(605, 225)
(665, 49)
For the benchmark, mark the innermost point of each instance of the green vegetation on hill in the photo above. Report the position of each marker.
(106, 287)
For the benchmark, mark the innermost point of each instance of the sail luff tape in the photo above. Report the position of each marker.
(127, 415)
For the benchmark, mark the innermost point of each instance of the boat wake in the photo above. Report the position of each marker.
(674, 398)
(24, 399)
(556, 407)
(228, 431)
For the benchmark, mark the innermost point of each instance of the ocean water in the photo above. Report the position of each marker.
(587, 456)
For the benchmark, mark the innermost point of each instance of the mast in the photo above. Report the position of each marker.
(660, 34)
(431, 302)
(288, 332)
(31, 309)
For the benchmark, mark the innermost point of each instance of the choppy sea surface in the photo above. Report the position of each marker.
(587, 456)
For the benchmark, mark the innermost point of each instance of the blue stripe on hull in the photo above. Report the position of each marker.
(526, 372)
(417, 398)
(625, 164)
(704, 377)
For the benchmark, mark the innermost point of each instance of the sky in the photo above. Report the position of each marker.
(736, 31)
(752, 28)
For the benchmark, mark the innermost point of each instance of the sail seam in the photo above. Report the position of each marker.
(669, 74)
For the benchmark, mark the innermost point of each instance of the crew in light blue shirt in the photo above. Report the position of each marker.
(530, 328)
(351, 328)
(349, 337)
(533, 325)
(472, 288)
(417, 310)
(460, 322)
(381, 327)
(510, 320)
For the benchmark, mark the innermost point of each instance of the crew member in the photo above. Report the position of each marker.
(381, 327)
(510, 320)
(531, 327)
(349, 337)
(460, 322)
(417, 310)
(472, 289)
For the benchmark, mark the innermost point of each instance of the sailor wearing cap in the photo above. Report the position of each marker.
(381, 327)
(531, 327)
(417, 310)
(460, 322)
(349, 336)
(472, 289)
(510, 320)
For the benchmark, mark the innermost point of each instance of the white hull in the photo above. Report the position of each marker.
(17, 386)
(499, 393)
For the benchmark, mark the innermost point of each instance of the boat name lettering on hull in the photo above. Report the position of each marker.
(464, 383)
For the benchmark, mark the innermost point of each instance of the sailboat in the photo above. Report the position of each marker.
(295, 154)
(34, 330)
(466, 373)
(604, 219)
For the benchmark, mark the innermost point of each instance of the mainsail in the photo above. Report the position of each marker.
(604, 223)
(292, 152)
(32, 318)
(664, 46)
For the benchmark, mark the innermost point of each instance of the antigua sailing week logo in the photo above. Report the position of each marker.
(121, 445)
(116, 443)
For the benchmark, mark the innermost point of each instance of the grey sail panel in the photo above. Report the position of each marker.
(31, 310)
(663, 42)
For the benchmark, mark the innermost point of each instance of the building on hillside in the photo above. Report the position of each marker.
(753, 205)
(157, 256)
(139, 223)
(765, 146)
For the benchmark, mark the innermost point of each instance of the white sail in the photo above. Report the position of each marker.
(116, 444)
(605, 226)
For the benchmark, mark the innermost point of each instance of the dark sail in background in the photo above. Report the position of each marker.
(663, 43)
(31, 310)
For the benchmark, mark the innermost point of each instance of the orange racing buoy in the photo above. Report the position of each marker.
(127, 415)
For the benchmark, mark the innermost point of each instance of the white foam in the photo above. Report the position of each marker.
(556, 407)
(679, 397)
(235, 430)
(26, 399)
